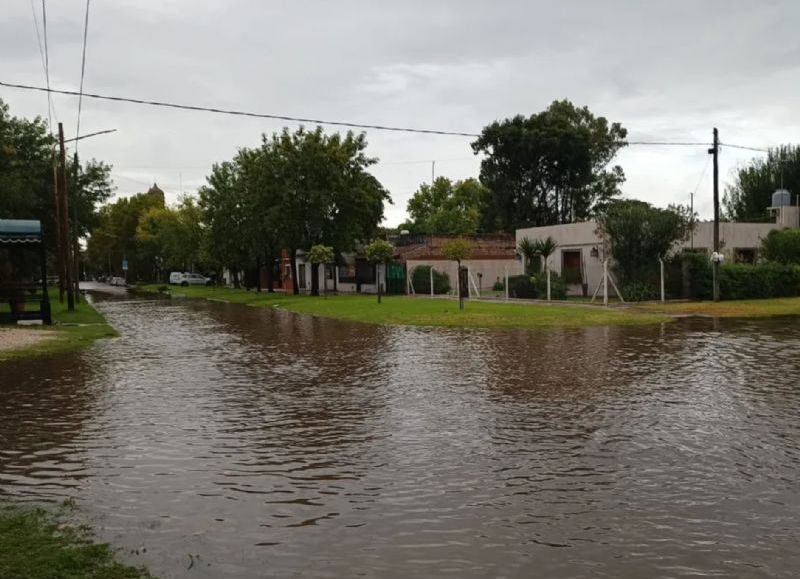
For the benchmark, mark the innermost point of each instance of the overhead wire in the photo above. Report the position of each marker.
(83, 73)
(51, 109)
(294, 119)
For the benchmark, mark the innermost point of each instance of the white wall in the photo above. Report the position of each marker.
(492, 269)
(583, 237)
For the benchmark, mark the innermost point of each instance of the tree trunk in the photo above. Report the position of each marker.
(235, 277)
(293, 261)
(258, 276)
(314, 279)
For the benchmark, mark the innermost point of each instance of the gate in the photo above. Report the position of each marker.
(395, 278)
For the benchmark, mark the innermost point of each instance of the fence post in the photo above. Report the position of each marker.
(505, 286)
(605, 282)
(661, 261)
(548, 280)
(431, 272)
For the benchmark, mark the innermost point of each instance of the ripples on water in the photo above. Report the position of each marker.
(273, 444)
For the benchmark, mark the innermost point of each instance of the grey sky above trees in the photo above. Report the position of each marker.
(665, 70)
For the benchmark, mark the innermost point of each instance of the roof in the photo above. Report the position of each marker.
(20, 231)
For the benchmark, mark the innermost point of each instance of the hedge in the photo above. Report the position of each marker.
(521, 286)
(421, 280)
(736, 281)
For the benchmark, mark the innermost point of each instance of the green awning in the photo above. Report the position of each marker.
(20, 231)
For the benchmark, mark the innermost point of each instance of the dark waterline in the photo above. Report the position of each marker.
(272, 444)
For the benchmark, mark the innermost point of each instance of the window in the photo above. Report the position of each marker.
(744, 255)
(347, 273)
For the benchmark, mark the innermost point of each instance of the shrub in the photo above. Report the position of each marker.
(769, 280)
(558, 285)
(421, 280)
(639, 292)
(521, 286)
(499, 286)
(782, 246)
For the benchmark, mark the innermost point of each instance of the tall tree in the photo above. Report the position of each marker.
(115, 239)
(750, 195)
(26, 177)
(639, 234)
(226, 217)
(446, 208)
(549, 168)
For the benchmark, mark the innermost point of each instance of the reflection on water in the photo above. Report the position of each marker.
(272, 444)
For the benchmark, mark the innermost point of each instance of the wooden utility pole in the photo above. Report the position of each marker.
(57, 203)
(64, 229)
(714, 150)
(76, 250)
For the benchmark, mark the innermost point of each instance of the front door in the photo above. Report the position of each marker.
(571, 266)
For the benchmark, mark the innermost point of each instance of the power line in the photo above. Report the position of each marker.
(81, 94)
(47, 70)
(239, 113)
(758, 149)
(669, 143)
(83, 72)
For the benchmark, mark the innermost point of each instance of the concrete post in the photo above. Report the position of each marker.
(605, 282)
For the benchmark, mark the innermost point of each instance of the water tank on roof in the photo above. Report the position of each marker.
(781, 198)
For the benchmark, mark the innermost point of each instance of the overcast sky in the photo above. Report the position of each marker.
(668, 70)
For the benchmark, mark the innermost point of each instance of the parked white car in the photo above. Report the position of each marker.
(185, 279)
(117, 281)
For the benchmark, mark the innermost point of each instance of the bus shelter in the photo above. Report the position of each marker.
(23, 272)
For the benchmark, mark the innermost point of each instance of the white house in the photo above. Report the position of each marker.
(579, 256)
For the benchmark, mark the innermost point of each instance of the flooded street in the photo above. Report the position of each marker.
(220, 440)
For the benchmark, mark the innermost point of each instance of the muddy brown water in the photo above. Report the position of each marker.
(226, 441)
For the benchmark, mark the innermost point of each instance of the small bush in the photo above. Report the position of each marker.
(499, 286)
(558, 285)
(522, 287)
(421, 280)
(639, 292)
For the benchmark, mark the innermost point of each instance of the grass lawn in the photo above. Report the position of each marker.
(70, 331)
(728, 309)
(33, 545)
(419, 311)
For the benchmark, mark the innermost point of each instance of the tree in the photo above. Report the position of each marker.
(446, 208)
(115, 237)
(226, 218)
(379, 251)
(750, 196)
(319, 254)
(457, 250)
(327, 195)
(638, 234)
(26, 178)
(527, 249)
(782, 246)
(545, 248)
(549, 168)
(171, 237)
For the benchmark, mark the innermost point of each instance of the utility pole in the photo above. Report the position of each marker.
(714, 150)
(76, 250)
(57, 202)
(691, 218)
(433, 172)
(64, 243)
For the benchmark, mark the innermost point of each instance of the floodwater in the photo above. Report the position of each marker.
(216, 440)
